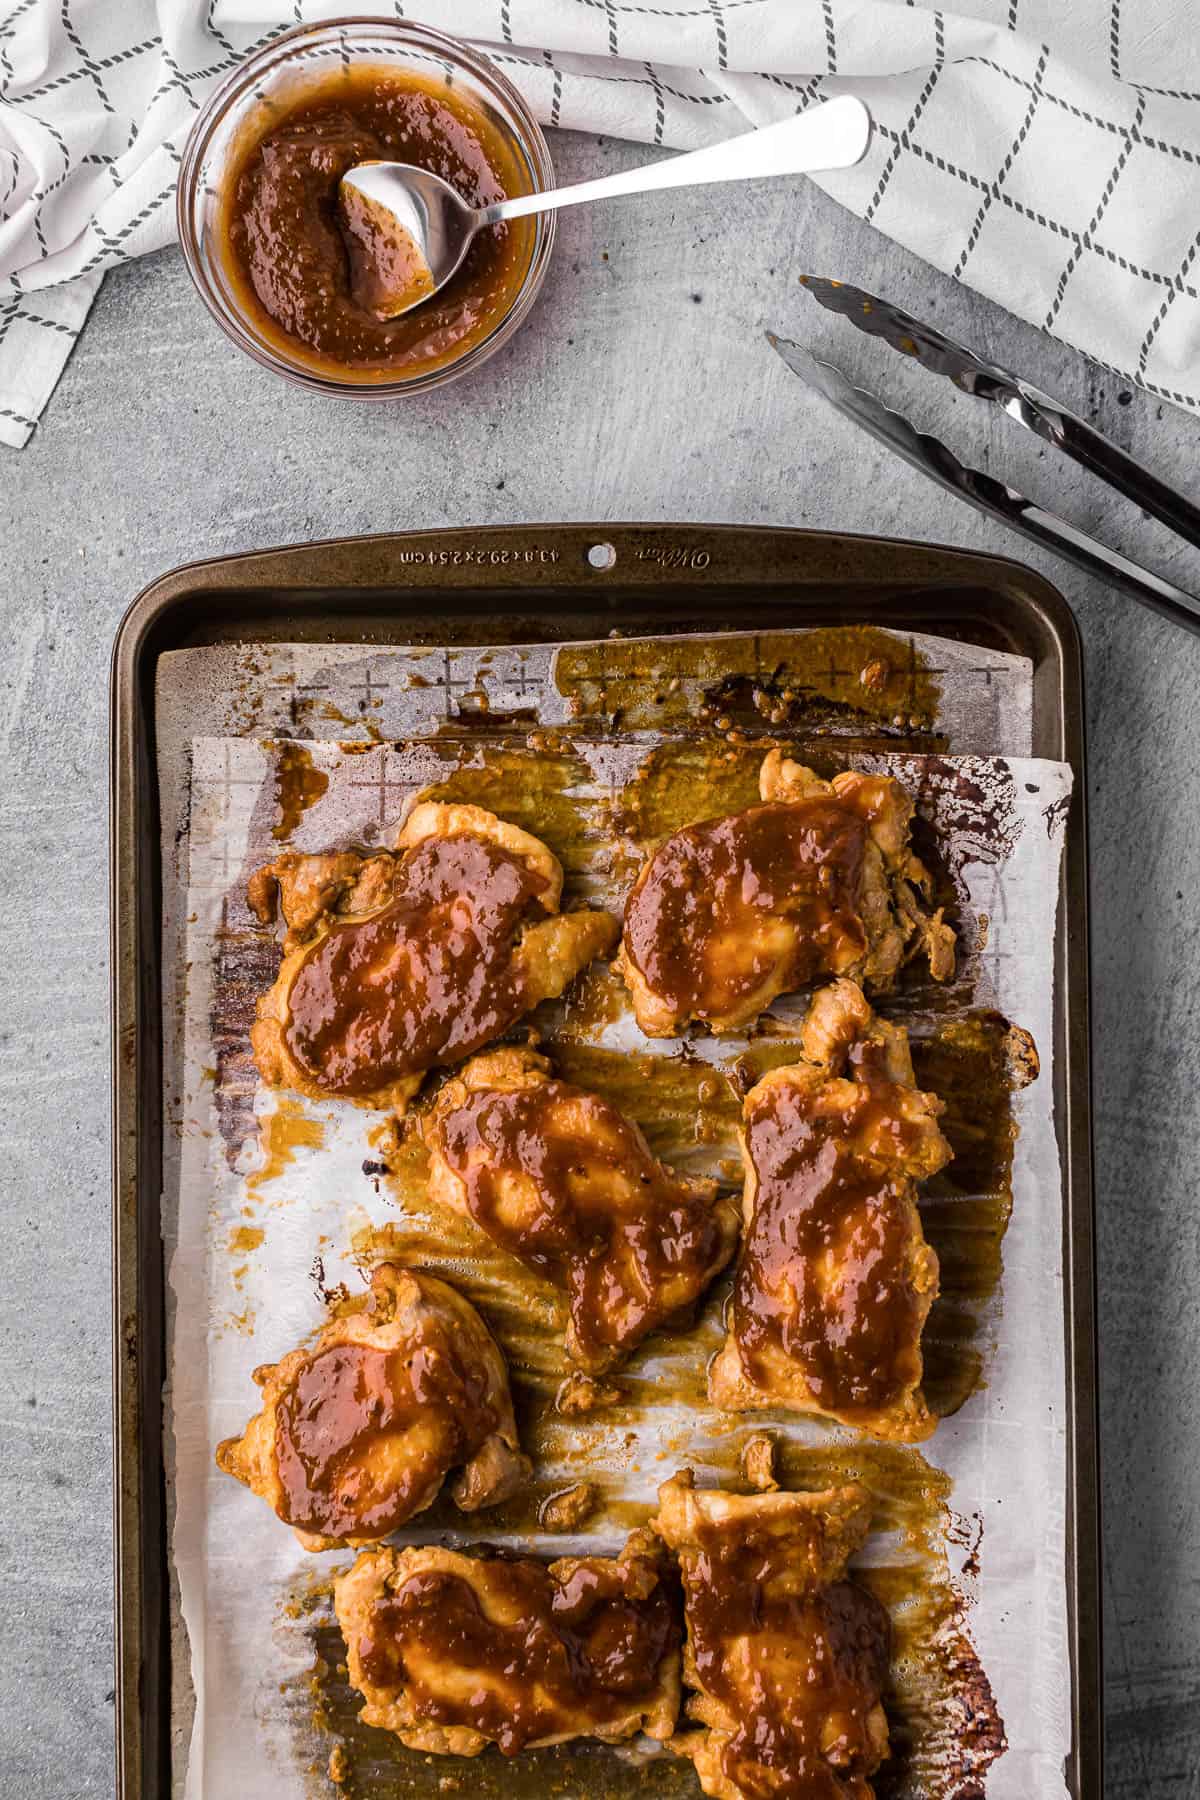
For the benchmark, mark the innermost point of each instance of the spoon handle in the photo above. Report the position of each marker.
(830, 136)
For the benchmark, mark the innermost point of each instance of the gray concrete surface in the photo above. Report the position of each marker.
(641, 389)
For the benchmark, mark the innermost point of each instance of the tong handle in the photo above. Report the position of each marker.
(1094, 558)
(1101, 457)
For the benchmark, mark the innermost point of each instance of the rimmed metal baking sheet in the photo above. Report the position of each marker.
(553, 584)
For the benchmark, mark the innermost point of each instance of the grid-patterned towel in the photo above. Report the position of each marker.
(1045, 151)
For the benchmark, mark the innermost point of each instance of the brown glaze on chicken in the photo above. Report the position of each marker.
(351, 1023)
(453, 1653)
(818, 880)
(788, 1657)
(568, 1185)
(401, 962)
(358, 1432)
(835, 1279)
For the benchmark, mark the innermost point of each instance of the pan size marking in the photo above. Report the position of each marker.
(487, 555)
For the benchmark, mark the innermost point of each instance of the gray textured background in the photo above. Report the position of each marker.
(642, 389)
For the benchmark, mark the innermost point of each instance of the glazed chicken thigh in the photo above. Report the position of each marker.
(398, 962)
(788, 1658)
(568, 1185)
(453, 1653)
(358, 1431)
(818, 880)
(835, 1279)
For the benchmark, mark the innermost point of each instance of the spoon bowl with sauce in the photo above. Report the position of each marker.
(410, 231)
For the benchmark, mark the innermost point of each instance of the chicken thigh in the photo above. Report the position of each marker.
(568, 1185)
(818, 880)
(835, 1279)
(788, 1658)
(402, 961)
(358, 1432)
(453, 1653)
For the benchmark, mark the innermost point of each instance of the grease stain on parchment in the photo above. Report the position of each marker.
(299, 784)
(282, 1132)
(832, 677)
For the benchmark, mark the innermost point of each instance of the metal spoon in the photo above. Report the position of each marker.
(409, 230)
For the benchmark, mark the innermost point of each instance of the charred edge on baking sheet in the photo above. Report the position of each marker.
(248, 956)
(1055, 814)
(974, 811)
(246, 964)
(966, 818)
(965, 1209)
(967, 1534)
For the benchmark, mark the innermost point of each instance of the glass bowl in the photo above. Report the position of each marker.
(259, 93)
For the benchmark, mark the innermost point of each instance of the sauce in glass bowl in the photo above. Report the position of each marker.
(295, 254)
(295, 272)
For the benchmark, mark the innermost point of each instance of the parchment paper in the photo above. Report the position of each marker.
(236, 1308)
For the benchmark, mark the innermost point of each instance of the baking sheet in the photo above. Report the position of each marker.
(242, 1299)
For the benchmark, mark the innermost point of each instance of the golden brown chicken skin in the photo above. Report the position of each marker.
(788, 1658)
(569, 1186)
(835, 1279)
(453, 1653)
(358, 1431)
(818, 880)
(402, 961)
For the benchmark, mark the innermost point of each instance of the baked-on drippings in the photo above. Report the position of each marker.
(299, 784)
(567, 1184)
(818, 880)
(362, 1432)
(455, 1652)
(822, 1202)
(788, 1657)
(359, 1429)
(423, 982)
(699, 926)
(310, 269)
(579, 1647)
(835, 1279)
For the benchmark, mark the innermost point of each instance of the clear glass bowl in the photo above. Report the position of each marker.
(275, 79)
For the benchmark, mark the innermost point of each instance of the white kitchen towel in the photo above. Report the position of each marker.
(1047, 152)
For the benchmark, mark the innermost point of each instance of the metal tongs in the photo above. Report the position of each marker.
(1038, 412)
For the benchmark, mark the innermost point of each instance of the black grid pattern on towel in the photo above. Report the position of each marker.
(992, 197)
